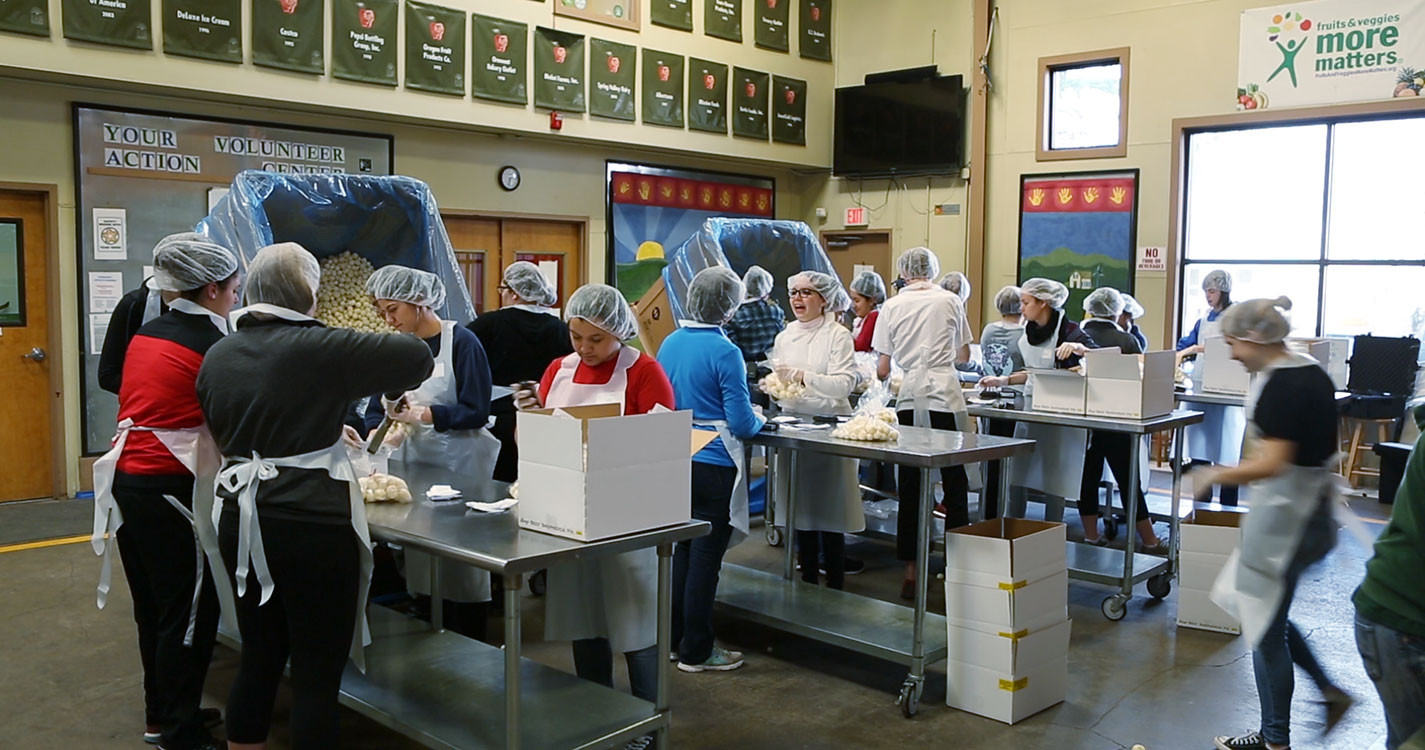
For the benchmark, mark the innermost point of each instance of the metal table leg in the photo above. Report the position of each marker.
(791, 505)
(769, 508)
(437, 602)
(915, 682)
(1003, 487)
(512, 661)
(665, 634)
(1176, 523)
(1116, 606)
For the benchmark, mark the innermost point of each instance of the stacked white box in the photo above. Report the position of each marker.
(1221, 373)
(1007, 609)
(1208, 539)
(1058, 391)
(1131, 386)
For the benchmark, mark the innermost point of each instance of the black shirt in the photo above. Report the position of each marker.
(520, 344)
(124, 322)
(1106, 335)
(1067, 333)
(1299, 404)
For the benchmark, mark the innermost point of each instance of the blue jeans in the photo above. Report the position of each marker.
(696, 563)
(594, 661)
(1395, 662)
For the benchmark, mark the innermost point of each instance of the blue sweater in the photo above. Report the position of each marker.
(1191, 338)
(710, 378)
(472, 387)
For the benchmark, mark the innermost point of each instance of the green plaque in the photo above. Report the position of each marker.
(287, 34)
(662, 89)
(121, 23)
(815, 23)
(435, 48)
(707, 96)
(789, 111)
(612, 79)
(749, 103)
(723, 19)
(675, 14)
(499, 54)
(25, 16)
(558, 70)
(364, 40)
(210, 29)
(770, 21)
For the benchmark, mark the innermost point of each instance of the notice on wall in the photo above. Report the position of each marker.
(209, 29)
(122, 23)
(770, 24)
(364, 40)
(98, 329)
(662, 88)
(675, 14)
(25, 16)
(287, 34)
(1152, 259)
(111, 234)
(749, 103)
(707, 96)
(815, 22)
(723, 19)
(613, 79)
(105, 290)
(558, 70)
(789, 111)
(435, 48)
(499, 50)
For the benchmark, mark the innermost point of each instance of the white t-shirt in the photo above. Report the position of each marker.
(922, 324)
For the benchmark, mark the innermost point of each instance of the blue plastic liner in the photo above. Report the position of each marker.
(784, 248)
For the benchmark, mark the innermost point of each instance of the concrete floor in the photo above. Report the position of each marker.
(72, 676)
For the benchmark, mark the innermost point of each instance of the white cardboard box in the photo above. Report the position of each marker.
(1221, 373)
(1332, 352)
(1199, 570)
(1130, 386)
(1058, 391)
(597, 474)
(1008, 652)
(1008, 608)
(1006, 696)
(1008, 549)
(1196, 610)
(1217, 532)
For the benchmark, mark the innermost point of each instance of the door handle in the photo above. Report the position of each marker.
(37, 354)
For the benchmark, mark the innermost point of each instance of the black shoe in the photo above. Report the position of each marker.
(210, 717)
(853, 567)
(1249, 741)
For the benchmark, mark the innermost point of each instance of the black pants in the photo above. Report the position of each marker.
(310, 617)
(957, 489)
(1226, 493)
(815, 547)
(989, 494)
(1117, 448)
(158, 550)
(594, 661)
(508, 464)
(696, 563)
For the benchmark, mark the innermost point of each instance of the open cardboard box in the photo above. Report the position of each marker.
(1058, 391)
(1217, 532)
(1007, 696)
(1331, 352)
(654, 313)
(597, 474)
(1221, 373)
(1131, 386)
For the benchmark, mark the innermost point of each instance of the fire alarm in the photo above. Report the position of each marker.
(556, 121)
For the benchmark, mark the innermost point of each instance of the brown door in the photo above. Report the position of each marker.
(850, 250)
(27, 441)
(485, 245)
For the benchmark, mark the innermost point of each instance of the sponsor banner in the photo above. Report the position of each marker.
(499, 50)
(435, 48)
(558, 70)
(364, 40)
(210, 29)
(815, 23)
(707, 96)
(770, 21)
(287, 34)
(789, 111)
(723, 19)
(613, 80)
(662, 88)
(749, 103)
(675, 14)
(25, 16)
(121, 23)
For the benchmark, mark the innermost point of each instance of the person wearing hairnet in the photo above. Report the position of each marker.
(957, 284)
(520, 339)
(868, 292)
(446, 416)
(999, 352)
(1217, 439)
(710, 379)
(1128, 320)
(135, 309)
(759, 319)
(816, 352)
(926, 331)
(1293, 440)
(293, 531)
(153, 494)
(609, 604)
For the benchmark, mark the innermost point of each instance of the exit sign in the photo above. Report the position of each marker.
(856, 217)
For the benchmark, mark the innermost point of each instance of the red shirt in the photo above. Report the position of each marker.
(863, 339)
(159, 388)
(647, 383)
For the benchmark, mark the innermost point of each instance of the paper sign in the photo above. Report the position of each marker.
(858, 269)
(111, 234)
(98, 328)
(105, 289)
(550, 269)
(1152, 259)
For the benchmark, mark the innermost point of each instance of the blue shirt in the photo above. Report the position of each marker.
(1191, 338)
(710, 378)
(471, 410)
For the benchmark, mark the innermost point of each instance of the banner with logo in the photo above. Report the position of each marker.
(749, 103)
(723, 19)
(815, 24)
(675, 14)
(612, 79)
(500, 51)
(435, 48)
(1330, 51)
(121, 23)
(210, 29)
(287, 34)
(364, 40)
(789, 111)
(707, 96)
(25, 16)
(771, 18)
(558, 70)
(662, 89)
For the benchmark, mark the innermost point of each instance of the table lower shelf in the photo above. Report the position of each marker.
(1105, 565)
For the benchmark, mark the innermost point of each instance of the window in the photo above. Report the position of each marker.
(1083, 105)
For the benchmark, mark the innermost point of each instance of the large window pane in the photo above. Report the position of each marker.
(1383, 300)
(1375, 190)
(1084, 106)
(1256, 194)
(1299, 282)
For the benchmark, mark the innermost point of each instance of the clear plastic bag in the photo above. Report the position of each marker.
(873, 420)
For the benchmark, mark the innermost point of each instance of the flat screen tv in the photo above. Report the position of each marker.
(900, 128)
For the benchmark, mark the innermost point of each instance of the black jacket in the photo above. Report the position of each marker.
(124, 322)
(1106, 335)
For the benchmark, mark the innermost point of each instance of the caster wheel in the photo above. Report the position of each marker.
(1160, 586)
(774, 536)
(538, 583)
(909, 700)
(1110, 529)
(1114, 608)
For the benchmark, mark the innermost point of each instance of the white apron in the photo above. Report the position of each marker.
(610, 597)
(1056, 467)
(153, 303)
(1218, 437)
(463, 453)
(921, 384)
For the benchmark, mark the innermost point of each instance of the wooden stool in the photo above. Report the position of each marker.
(1359, 446)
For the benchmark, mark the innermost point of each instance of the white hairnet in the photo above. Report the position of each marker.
(1007, 300)
(828, 287)
(1131, 306)
(189, 260)
(1219, 281)
(529, 284)
(869, 284)
(918, 263)
(957, 283)
(714, 295)
(758, 281)
(285, 275)
(1261, 321)
(1046, 290)
(1104, 302)
(603, 306)
(406, 284)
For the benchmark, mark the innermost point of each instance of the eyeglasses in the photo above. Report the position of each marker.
(802, 293)
(503, 287)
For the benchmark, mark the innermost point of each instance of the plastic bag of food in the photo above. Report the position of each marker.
(873, 419)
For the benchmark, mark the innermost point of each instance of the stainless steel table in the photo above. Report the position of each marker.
(862, 624)
(1100, 564)
(1226, 399)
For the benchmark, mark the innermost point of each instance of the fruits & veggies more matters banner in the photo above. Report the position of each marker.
(1330, 51)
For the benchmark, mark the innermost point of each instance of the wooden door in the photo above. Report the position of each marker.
(27, 440)
(477, 245)
(850, 250)
(484, 246)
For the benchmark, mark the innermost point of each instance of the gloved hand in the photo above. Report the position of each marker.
(351, 437)
(413, 415)
(527, 396)
(790, 374)
(394, 407)
(1069, 349)
(993, 381)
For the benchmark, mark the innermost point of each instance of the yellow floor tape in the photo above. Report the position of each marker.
(45, 543)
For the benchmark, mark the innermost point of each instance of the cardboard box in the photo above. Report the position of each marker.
(1006, 696)
(1331, 352)
(655, 317)
(1007, 549)
(1218, 532)
(1221, 373)
(597, 474)
(1199, 570)
(1196, 610)
(1008, 652)
(1008, 608)
(1058, 391)
(1130, 386)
